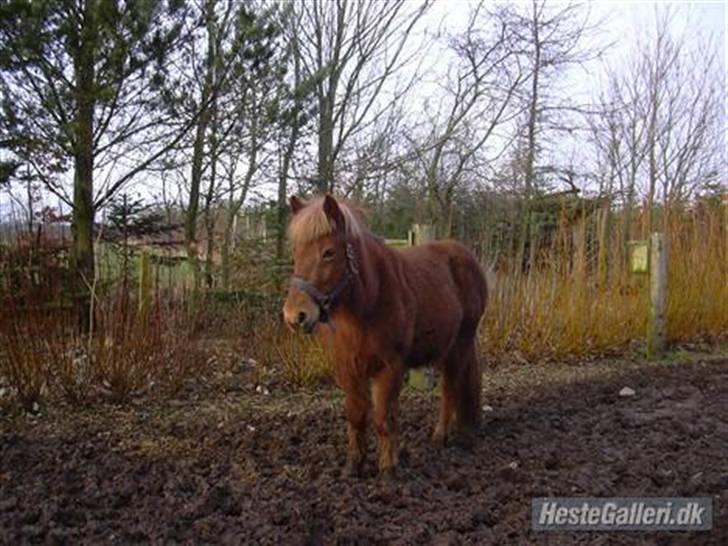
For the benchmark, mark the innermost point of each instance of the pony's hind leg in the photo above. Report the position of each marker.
(445, 420)
(460, 404)
(385, 391)
(467, 391)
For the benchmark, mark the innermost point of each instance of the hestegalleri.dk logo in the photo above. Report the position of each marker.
(622, 514)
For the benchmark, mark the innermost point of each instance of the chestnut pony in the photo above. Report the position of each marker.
(380, 311)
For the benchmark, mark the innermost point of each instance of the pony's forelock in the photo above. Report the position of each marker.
(312, 222)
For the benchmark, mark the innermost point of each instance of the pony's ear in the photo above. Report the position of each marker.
(333, 212)
(295, 203)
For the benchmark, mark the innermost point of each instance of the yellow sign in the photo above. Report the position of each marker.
(639, 256)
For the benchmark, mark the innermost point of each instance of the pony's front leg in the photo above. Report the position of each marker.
(385, 392)
(357, 405)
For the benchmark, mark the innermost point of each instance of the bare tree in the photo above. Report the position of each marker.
(478, 99)
(660, 125)
(233, 62)
(219, 25)
(352, 49)
(550, 40)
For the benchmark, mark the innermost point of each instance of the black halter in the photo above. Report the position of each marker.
(326, 300)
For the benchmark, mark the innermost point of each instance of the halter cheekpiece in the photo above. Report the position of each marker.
(326, 300)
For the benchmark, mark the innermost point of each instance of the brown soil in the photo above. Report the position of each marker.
(225, 464)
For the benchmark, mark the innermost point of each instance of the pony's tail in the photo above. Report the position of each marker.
(468, 399)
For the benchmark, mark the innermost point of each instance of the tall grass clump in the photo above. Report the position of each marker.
(697, 303)
(301, 359)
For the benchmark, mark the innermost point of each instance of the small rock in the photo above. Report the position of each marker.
(510, 473)
(9, 504)
(551, 461)
(487, 408)
(663, 477)
(456, 483)
(487, 517)
(626, 392)
(445, 539)
(251, 428)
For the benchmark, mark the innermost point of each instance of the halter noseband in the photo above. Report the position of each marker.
(325, 301)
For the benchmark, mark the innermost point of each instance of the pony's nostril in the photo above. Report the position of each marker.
(301, 317)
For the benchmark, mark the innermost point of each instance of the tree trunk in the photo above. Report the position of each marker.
(529, 167)
(282, 213)
(210, 247)
(327, 103)
(325, 178)
(209, 217)
(629, 206)
(198, 151)
(604, 230)
(82, 225)
(225, 249)
(194, 200)
(652, 144)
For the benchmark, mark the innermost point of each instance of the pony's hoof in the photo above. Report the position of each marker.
(387, 475)
(439, 438)
(465, 440)
(353, 470)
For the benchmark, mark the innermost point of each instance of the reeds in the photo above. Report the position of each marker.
(567, 306)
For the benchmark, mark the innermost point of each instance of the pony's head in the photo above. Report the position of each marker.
(321, 232)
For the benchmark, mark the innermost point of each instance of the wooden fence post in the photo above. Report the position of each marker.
(145, 279)
(423, 233)
(658, 294)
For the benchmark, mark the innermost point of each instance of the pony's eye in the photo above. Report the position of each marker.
(328, 254)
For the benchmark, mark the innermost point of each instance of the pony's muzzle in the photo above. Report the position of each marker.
(300, 314)
(302, 322)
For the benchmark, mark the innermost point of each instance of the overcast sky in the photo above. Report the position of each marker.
(623, 23)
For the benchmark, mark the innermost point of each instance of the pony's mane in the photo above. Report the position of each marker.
(311, 222)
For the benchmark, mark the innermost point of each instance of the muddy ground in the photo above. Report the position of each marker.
(227, 463)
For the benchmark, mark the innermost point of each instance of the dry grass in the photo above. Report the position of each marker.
(560, 309)
(301, 359)
(697, 306)
(546, 315)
